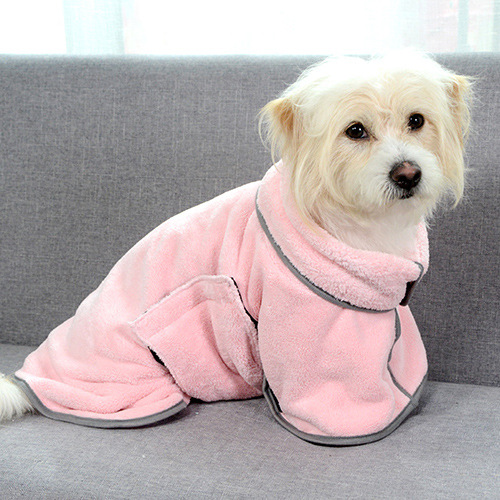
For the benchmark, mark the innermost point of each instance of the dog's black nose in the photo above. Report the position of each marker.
(406, 174)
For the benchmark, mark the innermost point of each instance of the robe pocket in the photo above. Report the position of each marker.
(206, 339)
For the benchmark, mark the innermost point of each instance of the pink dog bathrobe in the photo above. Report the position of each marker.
(236, 298)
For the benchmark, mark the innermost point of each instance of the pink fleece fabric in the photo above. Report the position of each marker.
(195, 289)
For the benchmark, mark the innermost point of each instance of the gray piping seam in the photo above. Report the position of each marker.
(421, 271)
(397, 328)
(411, 286)
(354, 440)
(95, 422)
(304, 279)
(341, 440)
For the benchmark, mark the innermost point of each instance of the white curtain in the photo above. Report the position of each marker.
(253, 27)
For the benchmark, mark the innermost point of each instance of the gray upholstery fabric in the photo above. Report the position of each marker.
(95, 153)
(457, 305)
(449, 449)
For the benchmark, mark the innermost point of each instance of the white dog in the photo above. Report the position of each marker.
(372, 147)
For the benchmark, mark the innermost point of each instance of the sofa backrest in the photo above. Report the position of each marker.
(94, 153)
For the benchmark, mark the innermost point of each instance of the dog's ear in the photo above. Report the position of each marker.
(282, 125)
(281, 112)
(459, 90)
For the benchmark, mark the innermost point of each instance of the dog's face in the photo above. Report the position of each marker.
(369, 137)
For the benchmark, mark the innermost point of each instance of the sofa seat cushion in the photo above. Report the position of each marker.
(235, 449)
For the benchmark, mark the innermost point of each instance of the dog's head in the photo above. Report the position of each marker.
(367, 137)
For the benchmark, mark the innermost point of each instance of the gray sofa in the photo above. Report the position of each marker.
(94, 153)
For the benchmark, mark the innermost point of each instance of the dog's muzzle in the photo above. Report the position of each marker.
(406, 175)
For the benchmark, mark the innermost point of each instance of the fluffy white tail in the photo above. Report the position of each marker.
(13, 401)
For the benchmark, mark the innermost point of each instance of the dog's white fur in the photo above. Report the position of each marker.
(344, 185)
(13, 401)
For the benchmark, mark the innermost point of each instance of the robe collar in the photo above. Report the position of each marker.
(359, 279)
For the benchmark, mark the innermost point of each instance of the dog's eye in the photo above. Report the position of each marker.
(356, 132)
(416, 121)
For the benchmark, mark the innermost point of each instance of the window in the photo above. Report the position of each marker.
(258, 27)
